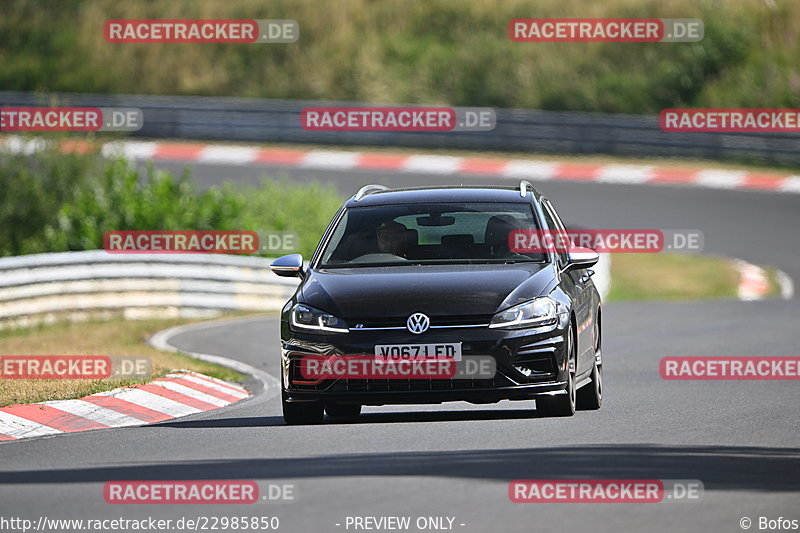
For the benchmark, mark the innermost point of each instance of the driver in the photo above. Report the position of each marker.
(392, 238)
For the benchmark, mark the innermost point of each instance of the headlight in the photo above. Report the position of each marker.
(305, 318)
(536, 313)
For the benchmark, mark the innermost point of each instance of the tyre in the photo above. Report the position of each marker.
(562, 404)
(590, 397)
(342, 410)
(301, 413)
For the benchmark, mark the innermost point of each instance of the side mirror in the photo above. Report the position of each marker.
(578, 257)
(288, 266)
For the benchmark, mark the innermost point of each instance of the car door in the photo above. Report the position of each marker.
(577, 284)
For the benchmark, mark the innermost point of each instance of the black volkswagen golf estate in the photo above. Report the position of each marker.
(431, 271)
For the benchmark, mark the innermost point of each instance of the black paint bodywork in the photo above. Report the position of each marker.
(448, 294)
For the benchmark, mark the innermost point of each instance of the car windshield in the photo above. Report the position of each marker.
(428, 233)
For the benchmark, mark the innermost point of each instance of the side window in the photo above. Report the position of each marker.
(557, 218)
(554, 224)
(336, 238)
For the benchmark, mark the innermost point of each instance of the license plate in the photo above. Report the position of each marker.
(418, 352)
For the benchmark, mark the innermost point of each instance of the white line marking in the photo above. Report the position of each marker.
(786, 284)
(191, 393)
(95, 413)
(161, 341)
(334, 160)
(204, 377)
(533, 170)
(153, 401)
(625, 174)
(753, 282)
(235, 155)
(18, 427)
(211, 385)
(720, 179)
(790, 184)
(434, 164)
(129, 149)
(20, 145)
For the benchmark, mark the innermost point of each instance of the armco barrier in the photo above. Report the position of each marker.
(79, 285)
(266, 120)
(43, 288)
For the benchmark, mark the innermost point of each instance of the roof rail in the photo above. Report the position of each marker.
(366, 189)
(523, 187)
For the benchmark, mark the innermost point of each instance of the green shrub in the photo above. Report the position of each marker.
(440, 52)
(53, 202)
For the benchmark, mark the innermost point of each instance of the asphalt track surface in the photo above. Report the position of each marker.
(740, 438)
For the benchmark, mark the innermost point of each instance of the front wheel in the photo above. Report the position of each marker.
(562, 404)
(590, 397)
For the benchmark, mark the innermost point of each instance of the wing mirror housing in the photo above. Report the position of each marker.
(578, 257)
(288, 266)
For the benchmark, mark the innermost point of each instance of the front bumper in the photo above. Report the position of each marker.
(528, 364)
(488, 395)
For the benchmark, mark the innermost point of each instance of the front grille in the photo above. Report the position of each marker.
(400, 322)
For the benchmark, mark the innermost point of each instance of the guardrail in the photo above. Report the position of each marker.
(74, 286)
(269, 120)
(43, 288)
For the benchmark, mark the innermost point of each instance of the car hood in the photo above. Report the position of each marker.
(436, 290)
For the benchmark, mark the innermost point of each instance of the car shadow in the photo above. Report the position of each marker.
(365, 418)
(748, 468)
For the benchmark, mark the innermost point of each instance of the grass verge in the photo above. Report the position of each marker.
(676, 277)
(115, 337)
